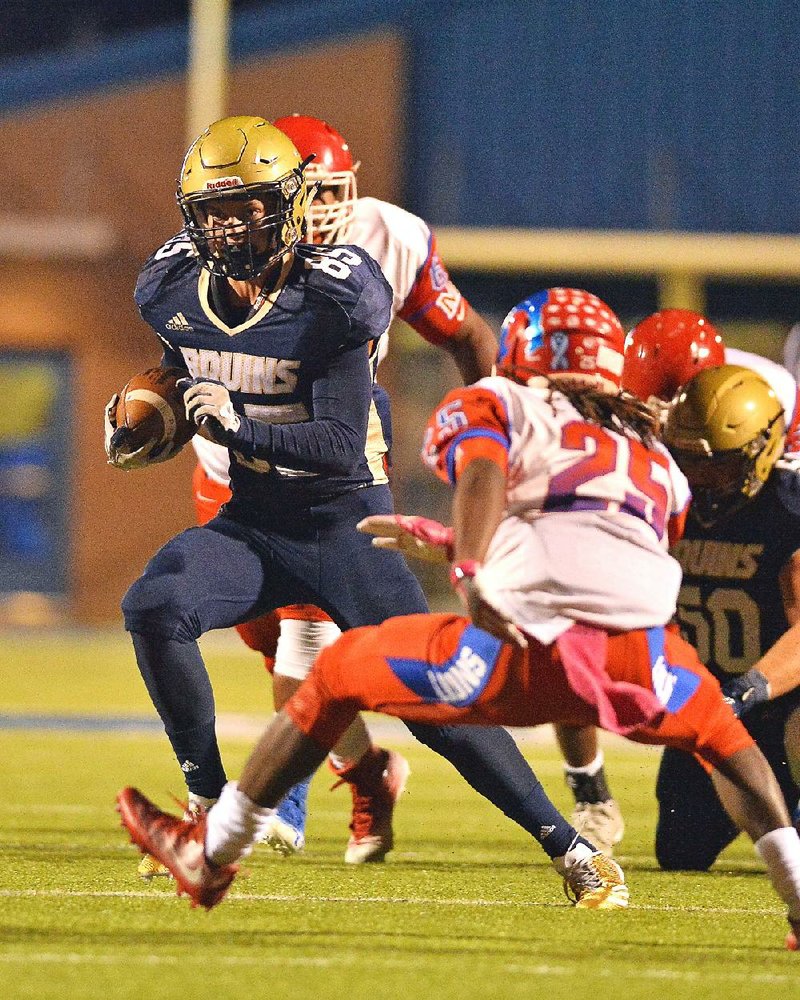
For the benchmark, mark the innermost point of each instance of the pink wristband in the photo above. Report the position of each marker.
(465, 570)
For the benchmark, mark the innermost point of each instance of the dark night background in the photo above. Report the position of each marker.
(30, 27)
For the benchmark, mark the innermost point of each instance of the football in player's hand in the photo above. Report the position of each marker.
(151, 409)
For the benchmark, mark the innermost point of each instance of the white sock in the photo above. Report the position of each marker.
(233, 825)
(780, 852)
(197, 804)
(573, 855)
(300, 643)
(588, 769)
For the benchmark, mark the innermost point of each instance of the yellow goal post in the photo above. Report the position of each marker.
(681, 263)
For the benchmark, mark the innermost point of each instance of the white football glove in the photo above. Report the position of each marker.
(207, 401)
(116, 452)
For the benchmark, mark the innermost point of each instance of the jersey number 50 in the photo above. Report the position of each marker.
(725, 629)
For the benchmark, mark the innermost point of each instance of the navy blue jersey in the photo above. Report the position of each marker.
(297, 366)
(730, 606)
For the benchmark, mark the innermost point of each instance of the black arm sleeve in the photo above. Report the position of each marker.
(332, 442)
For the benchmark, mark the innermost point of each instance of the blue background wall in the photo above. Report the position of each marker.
(626, 114)
(640, 114)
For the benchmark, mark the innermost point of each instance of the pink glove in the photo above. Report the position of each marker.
(415, 536)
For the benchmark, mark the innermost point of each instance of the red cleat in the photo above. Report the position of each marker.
(791, 937)
(177, 844)
(376, 782)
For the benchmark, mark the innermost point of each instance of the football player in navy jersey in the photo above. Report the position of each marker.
(662, 352)
(740, 600)
(542, 638)
(404, 247)
(275, 337)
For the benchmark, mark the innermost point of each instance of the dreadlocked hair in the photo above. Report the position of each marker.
(618, 412)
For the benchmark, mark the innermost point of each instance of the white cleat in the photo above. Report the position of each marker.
(601, 823)
(281, 836)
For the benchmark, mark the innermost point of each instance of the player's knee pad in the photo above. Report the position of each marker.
(300, 643)
(155, 606)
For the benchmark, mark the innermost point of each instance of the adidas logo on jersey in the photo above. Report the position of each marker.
(178, 322)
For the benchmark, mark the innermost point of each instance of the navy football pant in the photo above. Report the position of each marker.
(235, 569)
(693, 828)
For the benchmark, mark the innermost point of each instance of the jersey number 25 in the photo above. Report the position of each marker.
(644, 470)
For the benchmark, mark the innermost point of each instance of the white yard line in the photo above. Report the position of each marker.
(411, 961)
(242, 897)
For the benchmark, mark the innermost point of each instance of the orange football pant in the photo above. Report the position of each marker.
(438, 669)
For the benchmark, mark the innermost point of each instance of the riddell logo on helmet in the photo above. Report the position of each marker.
(224, 182)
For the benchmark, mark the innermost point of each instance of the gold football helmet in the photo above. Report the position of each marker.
(726, 430)
(243, 194)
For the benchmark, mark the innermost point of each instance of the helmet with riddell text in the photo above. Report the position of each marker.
(243, 194)
(666, 349)
(332, 169)
(562, 332)
(726, 430)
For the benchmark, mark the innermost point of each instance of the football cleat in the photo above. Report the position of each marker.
(376, 783)
(281, 836)
(150, 868)
(177, 844)
(596, 882)
(792, 936)
(600, 823)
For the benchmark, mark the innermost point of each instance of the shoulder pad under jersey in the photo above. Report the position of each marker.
(349, 277)
(171, 261)
(388, 224)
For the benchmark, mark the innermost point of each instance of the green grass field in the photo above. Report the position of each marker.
(466, 906)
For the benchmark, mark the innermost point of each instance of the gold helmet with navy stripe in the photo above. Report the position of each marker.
(726, 429)
(243, 196)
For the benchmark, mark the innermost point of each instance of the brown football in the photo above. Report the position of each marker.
(151, 408)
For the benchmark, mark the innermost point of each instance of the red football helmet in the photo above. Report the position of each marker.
(666, 349)
(331, 214)
(562, 332)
